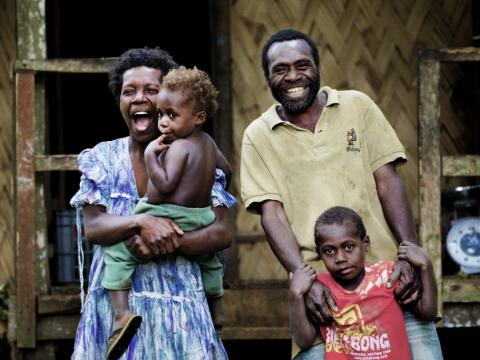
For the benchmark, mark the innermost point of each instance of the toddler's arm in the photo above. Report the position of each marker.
(165, 178)
(303, 330)
(426, 307)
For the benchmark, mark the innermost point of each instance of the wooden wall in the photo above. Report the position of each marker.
(7, 56)
(366, 45)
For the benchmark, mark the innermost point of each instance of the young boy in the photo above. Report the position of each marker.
(181, 167)
(369, 323)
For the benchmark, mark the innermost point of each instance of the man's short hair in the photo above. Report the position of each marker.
(287, 35)
(337, 215)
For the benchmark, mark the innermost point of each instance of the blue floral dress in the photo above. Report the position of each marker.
(168, 293)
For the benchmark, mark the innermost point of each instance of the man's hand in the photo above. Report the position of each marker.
(320, 303)
(409, 288)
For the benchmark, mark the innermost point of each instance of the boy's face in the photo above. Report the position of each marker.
(343, 252)
(176, 116)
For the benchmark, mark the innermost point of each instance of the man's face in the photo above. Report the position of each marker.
(294, 78)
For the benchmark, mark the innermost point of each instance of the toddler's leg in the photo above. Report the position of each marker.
(215, 305)
(119, 267)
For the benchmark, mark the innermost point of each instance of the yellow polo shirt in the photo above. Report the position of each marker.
(310, 172)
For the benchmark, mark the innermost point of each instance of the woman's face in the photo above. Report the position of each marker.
(137, 102)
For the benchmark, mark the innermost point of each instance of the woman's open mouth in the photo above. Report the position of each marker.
(142, 120)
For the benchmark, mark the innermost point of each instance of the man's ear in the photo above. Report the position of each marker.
(366, 243)
(200, 118)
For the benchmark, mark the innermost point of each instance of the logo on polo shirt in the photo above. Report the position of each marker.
(351, 139)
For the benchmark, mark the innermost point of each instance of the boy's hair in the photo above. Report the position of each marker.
(193, 84)
(154, 58)
(287, 35)
(337, 216)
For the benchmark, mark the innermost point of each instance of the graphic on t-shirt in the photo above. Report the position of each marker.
(351, 138)
(349, 334)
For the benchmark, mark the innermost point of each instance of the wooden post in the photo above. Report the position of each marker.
(429, 162)
(24, 211)
(222, 122)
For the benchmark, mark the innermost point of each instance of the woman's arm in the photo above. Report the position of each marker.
(426, 307)
(212, 238)
(159, 234)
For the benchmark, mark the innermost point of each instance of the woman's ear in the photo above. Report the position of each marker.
(200, 118)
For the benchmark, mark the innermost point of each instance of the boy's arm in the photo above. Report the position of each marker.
(303, 330)
(167, 177)
(426, 307)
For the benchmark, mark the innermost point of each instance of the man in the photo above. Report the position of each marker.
(320, 148)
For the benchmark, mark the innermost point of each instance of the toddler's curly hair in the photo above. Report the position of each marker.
(196, 86)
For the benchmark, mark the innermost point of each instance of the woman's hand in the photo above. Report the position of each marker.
(157, 236)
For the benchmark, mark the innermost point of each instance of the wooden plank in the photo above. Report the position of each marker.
(85, 66)
(257, 333)
(250, 238)
(58, 327)
(452, 55)
(222, 121)
(430, 164)
(56, 162)
(42, 279)
(24, 211)
(460, 290)
(58, 303)
(461, 165)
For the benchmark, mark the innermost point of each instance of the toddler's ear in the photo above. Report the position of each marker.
(366, 243)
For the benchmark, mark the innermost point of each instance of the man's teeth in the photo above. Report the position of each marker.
(295, 90)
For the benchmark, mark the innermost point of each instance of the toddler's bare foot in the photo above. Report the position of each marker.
(216, 311)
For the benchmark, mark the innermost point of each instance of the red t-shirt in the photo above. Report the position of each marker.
(369, 324)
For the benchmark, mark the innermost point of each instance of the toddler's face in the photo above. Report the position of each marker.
(176, 116)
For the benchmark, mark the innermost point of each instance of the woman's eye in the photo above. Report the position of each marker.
(152, 91)
(127, 92)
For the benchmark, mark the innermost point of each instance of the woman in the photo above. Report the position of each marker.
(167, 293)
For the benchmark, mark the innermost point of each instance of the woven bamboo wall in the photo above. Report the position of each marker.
(7, 55)
(366, 45)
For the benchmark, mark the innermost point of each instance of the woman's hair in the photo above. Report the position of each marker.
(338, 215)
(155, 58)
(195, 85)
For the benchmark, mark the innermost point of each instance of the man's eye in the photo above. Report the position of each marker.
(279, 70)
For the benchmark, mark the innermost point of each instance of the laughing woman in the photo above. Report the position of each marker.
(167, 292)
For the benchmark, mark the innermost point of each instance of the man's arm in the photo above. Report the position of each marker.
(284, 245)
(397, 211)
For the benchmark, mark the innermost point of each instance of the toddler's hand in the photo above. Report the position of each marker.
(156, 146)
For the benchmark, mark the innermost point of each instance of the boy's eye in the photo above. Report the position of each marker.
(328, 251)
(349, 247)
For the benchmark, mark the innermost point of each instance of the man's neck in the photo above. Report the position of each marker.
(308, 118)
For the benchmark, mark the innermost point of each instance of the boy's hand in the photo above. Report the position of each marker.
(301, 281)
(156, 146)
(414, 254)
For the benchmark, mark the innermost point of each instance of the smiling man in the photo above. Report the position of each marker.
(320, 148)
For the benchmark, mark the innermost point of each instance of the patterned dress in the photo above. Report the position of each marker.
(168, 293)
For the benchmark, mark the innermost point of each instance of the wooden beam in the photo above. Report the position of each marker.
(430, 164)
(56, 162)
(460, 290)
(58, 327)
(85, 66)
(58, 303)
(257, 333)
(451, 55)
(24, 211)
(461, 165)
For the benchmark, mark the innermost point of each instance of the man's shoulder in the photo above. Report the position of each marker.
(353, 96)
(261, 124)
